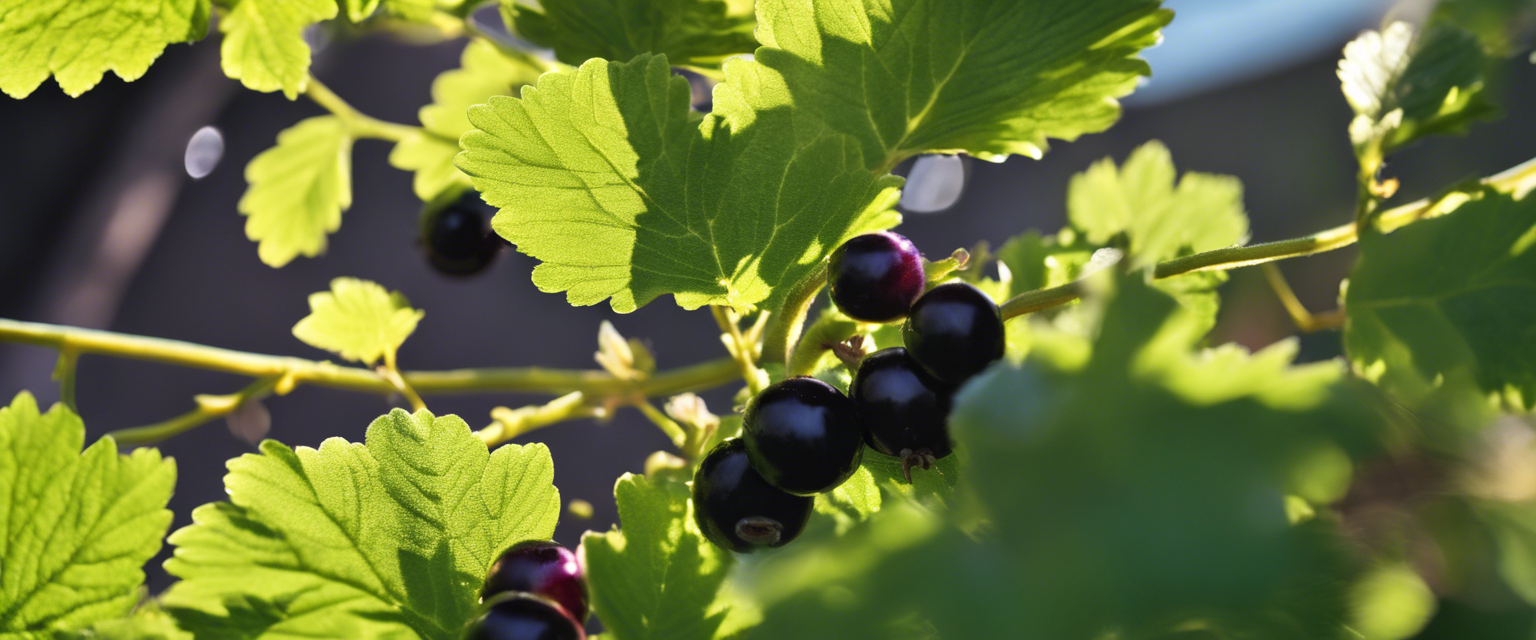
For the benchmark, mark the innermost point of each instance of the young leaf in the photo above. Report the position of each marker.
(387, 539)
(429, 151)
(1450, 296)
(77, 41)
(603, 174)
(699, 33)
(414, 10)
(298, 190)
(75, 527)
(1161, 216)
(264, 44)
(1404, 85)
(658, 577)
(358, 320)
(985, 77)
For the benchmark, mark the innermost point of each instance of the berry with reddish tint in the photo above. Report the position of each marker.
(738, 510)
(954, 331)
(457, 238)
(875, 277)
(540, 567)
(802, 436)
(523, 616)
(904, 412)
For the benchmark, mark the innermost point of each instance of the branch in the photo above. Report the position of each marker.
(705, 375)
(361, 125)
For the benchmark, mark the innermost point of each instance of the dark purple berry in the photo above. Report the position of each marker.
(875, 277)
(523, 616)
(738, 510)
(954, 331)
(802, 436)
(540, 567)
(458, 238)
(904, 412)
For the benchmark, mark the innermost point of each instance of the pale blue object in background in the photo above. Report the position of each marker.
(1212, 43)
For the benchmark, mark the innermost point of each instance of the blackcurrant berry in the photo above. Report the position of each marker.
(457, 238)
(523, 616)
(875, 277)
(544, 568)
(954, 331)
(802, 436)
(904, 412)
(738, 510)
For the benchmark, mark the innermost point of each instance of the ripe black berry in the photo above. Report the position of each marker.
(458, 237)
(954, 331)
(540, 567)
(802, 435)
(522, 616)
(875, 277)
(904, 412)
(738, 510)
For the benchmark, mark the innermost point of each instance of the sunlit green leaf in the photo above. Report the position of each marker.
(388, 539)
(358, 319)
(75, 527)
(1404, 84)
(298, 190)
(688, 32)
(77, 41)
(264, 44)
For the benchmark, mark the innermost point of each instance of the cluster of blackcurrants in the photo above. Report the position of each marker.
(536, 590)
(802, 436)
(456, 234)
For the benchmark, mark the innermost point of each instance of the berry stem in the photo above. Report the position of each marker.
(209, 408)
(784, 326)
(744, 352)
(1306, 321)
(360, 125)
(828, 330)
(391, 373)
(507, 424)
(64, 372)
(1516, 179)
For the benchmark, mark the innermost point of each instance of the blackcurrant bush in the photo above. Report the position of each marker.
(544, 568)
(954, 331)
(802, 436)
(875, 277)
(523, 616)
(738, 510)
(903, 411)
(458, 238)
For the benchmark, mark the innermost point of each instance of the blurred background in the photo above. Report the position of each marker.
(103, 225)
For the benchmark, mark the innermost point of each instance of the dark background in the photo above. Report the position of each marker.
(100, 226)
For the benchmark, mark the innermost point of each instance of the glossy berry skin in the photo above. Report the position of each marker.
(903, 411)
(544, 568)
(738, 510)
(802, 436)
(524, 616)
(458, 238)
(954, 331)
(875, 277)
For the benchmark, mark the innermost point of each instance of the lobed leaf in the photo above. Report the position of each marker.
(698, 33)
(1449, 297)
(75, 527)
(264, 45)
(298, 190)
(78, 41)
(359, 320)
(390, 539)
(1404, 84)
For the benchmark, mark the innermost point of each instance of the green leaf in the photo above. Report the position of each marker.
(298, 190)
(78, 41)
(358, 320)
(388, 539)
(429, 151)
(1496, 23)
(1161, 216)
(75, 527)
(148, 622)
(1450, 297)
(698, 33)
(603, 175)
(1035, 261)
(413, 10)
(360, 10)
(1390, 602)
(1166, 500)
(985, 77)
(264, 44)
(1404, 85)
(658, 577)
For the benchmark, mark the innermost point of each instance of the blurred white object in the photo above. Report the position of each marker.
(934, 184)
(204, 150)
(1217, 42)
(250, 422)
